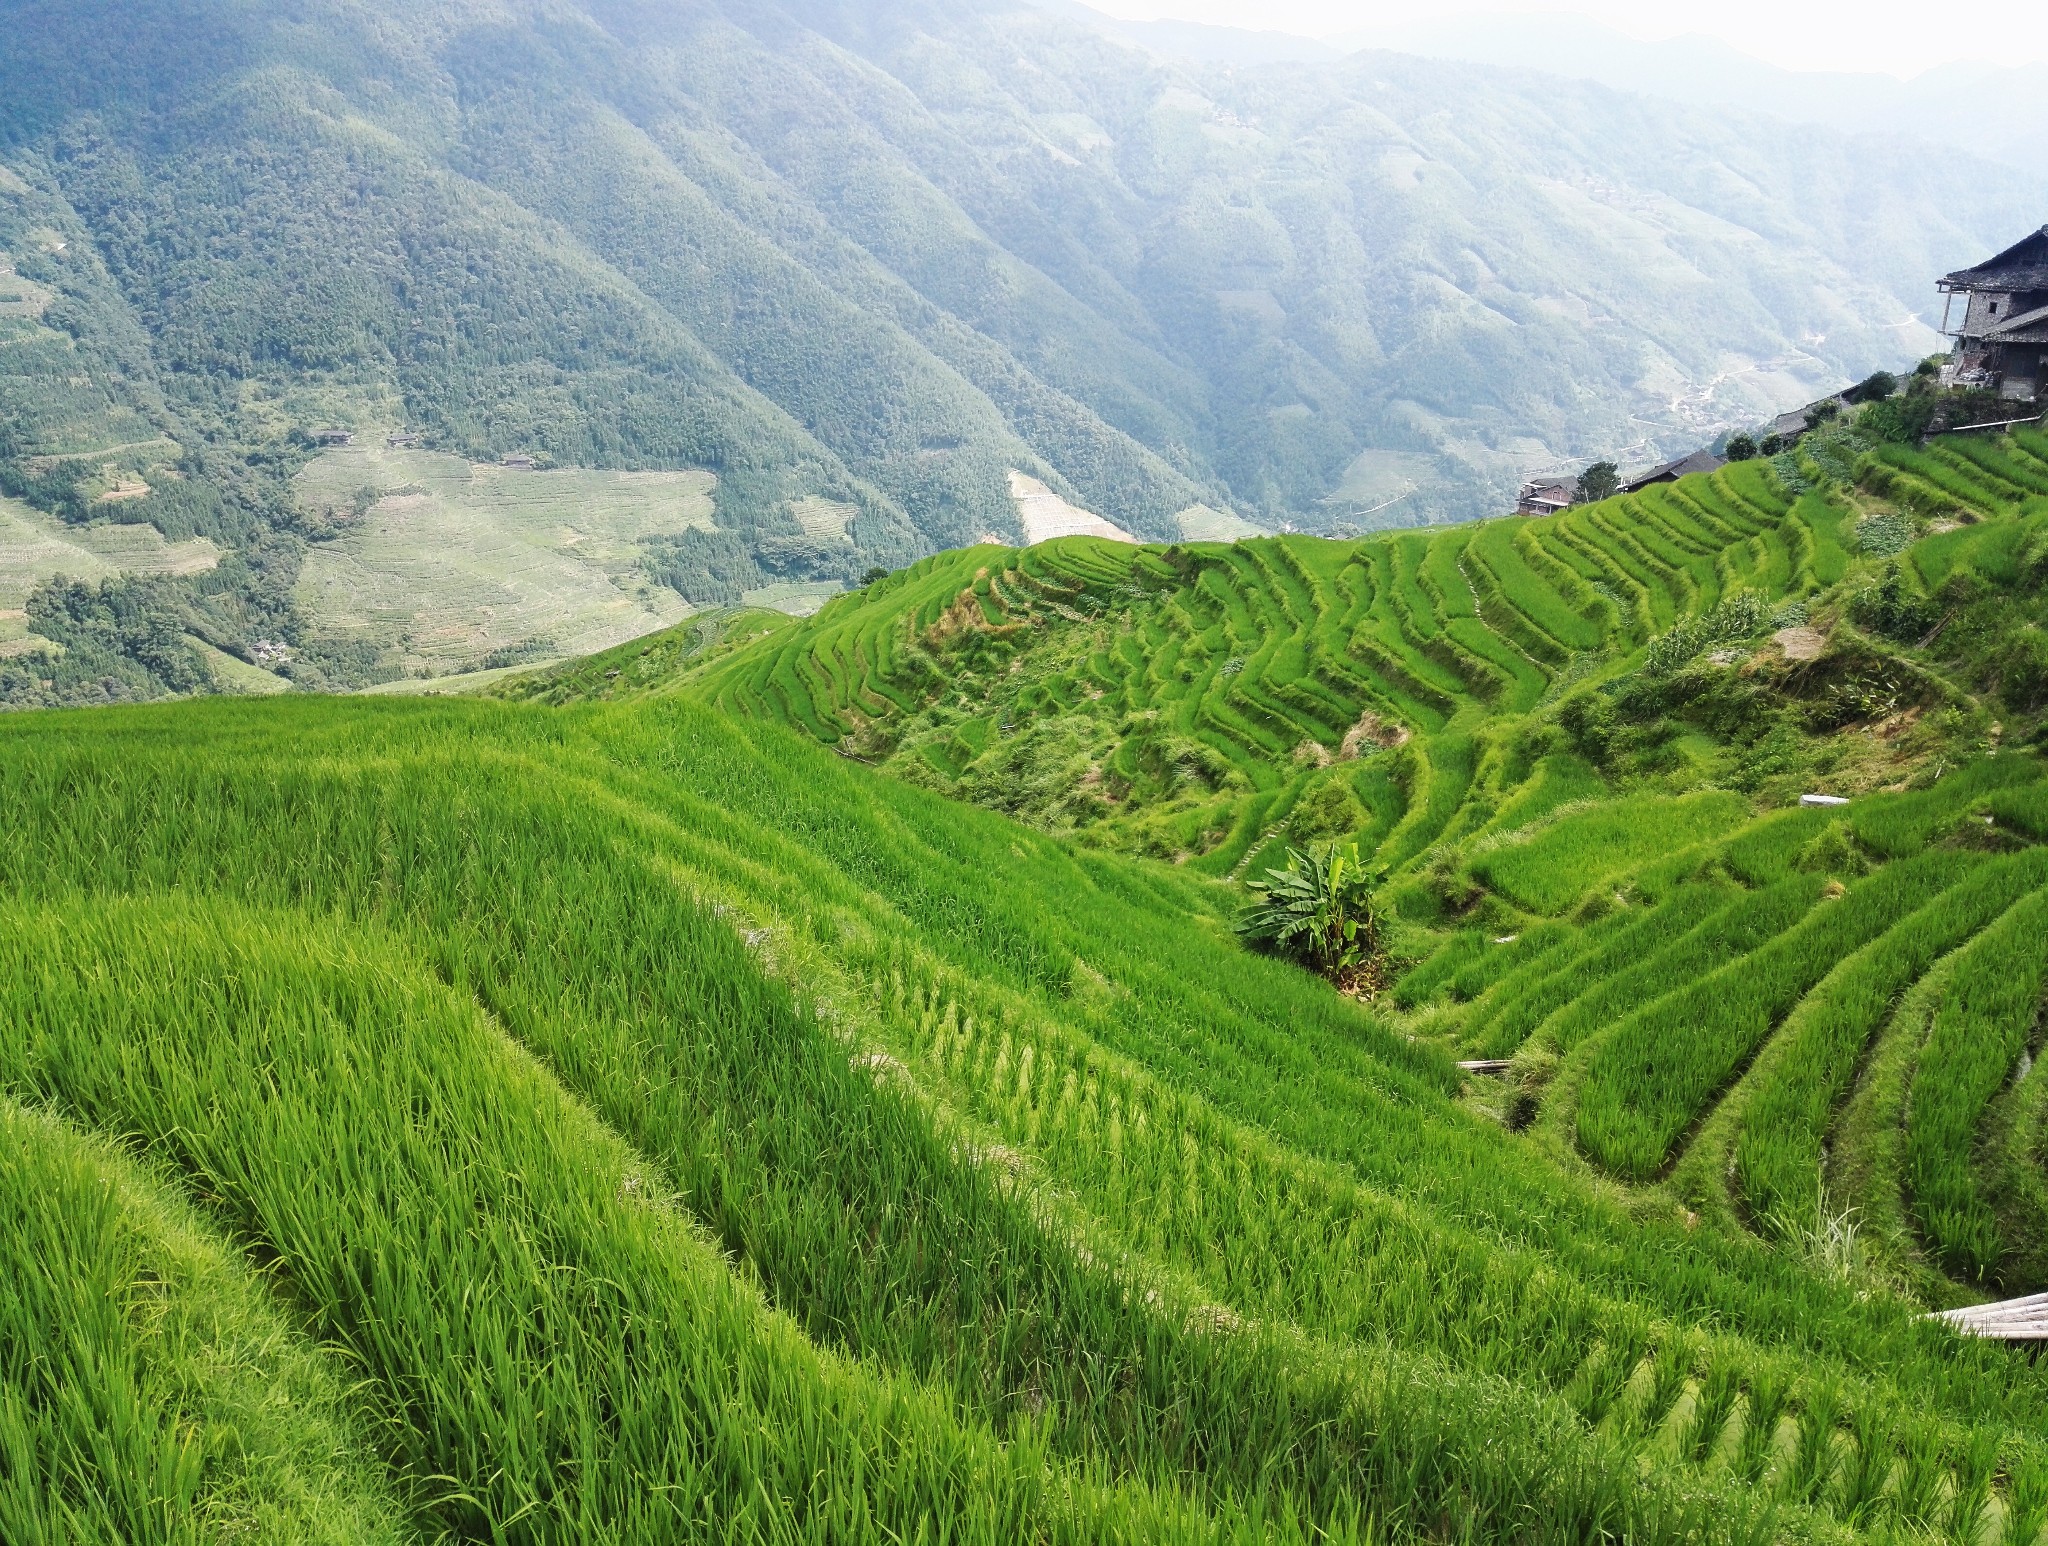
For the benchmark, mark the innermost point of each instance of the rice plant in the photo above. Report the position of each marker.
(1978, 1033)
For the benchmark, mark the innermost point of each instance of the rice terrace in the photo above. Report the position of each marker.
(782, 775)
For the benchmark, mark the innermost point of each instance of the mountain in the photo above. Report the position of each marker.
(866, 267)
(1998, 112)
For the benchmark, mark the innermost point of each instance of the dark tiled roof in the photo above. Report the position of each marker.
(2022, 266)
(1699, 461)
(2022, 327)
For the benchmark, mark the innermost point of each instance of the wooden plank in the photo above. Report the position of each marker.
(2009, 1320)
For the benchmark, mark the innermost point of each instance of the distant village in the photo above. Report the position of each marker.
(1996, 312)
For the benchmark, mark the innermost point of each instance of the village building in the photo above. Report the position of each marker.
(1547, 496)
(520, 462)
(1671, 472)
(2001, 328)
(334, 437)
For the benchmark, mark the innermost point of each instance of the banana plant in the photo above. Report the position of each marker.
(1318, 908)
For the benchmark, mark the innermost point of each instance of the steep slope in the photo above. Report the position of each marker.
(1072, 1220)
(1575, 746)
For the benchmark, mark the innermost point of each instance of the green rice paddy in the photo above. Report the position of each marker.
(616, 1116)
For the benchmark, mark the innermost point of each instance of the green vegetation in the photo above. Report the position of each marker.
(1979, 1033)
(1075, 1218)
(666, 1121)
(148, 1392)
(1318, 909)
(858, 276)
(795, 1080)
(1573, 745)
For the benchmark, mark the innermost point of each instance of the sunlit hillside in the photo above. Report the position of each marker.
(615, 1116)
(1577, 749)
(624, 1122)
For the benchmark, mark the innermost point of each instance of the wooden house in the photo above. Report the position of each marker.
(1547, 496)
(334, 437)
(2001, 329)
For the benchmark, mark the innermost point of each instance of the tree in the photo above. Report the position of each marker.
(1821, 412)
(1317, 909)
(1741, 448)
(1873, 388)
(1899, 419)
(874, 574)
(1771, 444)
(1600, 481)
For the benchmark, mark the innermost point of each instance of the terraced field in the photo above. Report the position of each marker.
(1214, 691)
(621, 1122)
(1575, 745)
(613, 1117)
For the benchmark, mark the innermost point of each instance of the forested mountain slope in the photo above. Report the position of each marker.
(860, 264)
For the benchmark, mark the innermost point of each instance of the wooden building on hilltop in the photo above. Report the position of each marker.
(2002, 334)
(1547, 496)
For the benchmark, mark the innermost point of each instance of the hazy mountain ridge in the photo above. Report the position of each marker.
(1991, 110)
(884, 256)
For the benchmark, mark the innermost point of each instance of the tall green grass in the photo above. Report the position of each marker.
(1817, 1050)
(1740, 924)
(1629, 939)
(1982, 1027)
(544, 1333)
(1656, 1070)
(1898, 824)
(1025, 1090)
(148, 1392)
(1547, 873)
(566, 941)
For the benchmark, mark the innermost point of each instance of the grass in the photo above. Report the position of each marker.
(1657, 1069)
(489, 945)
(1815, 1055)
(1978, 1034)
(675, 1128)
(1523, 1006)
(148, 1389)
(1550, 871)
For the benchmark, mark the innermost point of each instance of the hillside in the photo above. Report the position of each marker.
(876, 263)
(613, 1115)
(644, 1125)
(1575, 748)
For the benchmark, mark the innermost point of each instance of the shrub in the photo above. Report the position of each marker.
(1892, 607)
(1832, 852)
(1329, 810)
(2023, 669)
(1317, 909)
(1738, 618)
